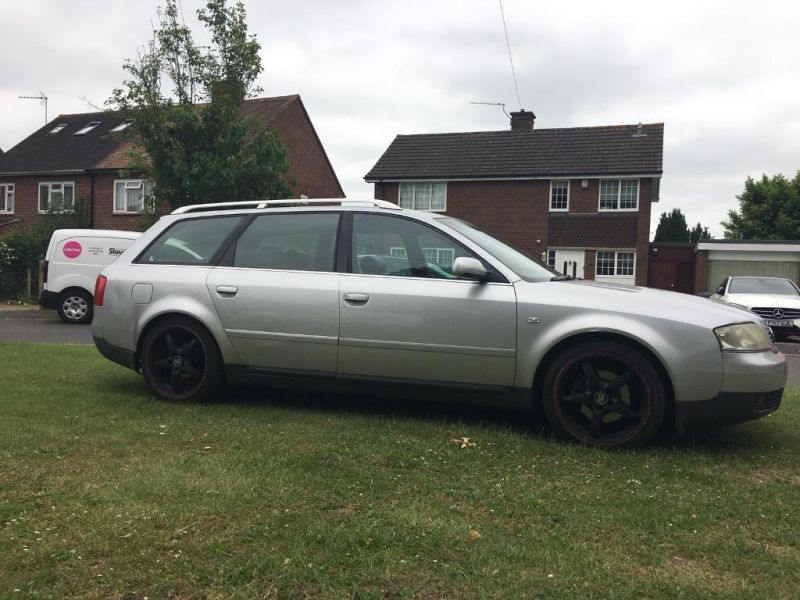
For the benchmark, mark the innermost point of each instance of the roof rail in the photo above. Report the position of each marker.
(285, 202)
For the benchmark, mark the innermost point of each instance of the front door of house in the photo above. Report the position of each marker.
(570, 262)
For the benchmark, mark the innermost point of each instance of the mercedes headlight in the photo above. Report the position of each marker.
(743, 337)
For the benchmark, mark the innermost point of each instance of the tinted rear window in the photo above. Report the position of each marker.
(191, 242)
(291, 241)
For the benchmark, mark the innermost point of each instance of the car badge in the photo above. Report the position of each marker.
(777, 313)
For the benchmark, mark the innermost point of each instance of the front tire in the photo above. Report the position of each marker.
(181, 361)
(75, 307)
(604, 394)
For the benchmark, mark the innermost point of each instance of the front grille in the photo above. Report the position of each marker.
(765, 312)
(768, 401)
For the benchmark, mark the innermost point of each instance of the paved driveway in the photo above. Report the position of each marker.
(44, 326)
(41, 326)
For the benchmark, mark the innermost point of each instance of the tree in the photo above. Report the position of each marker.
(697, 233)
(769, 209)
(672, 227)
(184, 102)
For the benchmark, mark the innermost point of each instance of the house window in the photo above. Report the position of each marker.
(443, 257)
(58, 128)
(130, 195)
(56, 197)
(615, 264)
(87, 128)
(121, 127)
(619, 194)
(424, 196)
(551, 259)
(6, 197)
(559, 195)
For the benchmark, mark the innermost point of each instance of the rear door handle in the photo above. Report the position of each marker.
(227, 290)
(356, 299)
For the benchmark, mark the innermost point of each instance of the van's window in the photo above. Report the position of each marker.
(292, 242)
(191, 242)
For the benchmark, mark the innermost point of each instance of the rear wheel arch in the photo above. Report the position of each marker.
(157, 320)
(556, 349)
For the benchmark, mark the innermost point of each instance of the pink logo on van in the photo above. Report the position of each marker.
(72, 249)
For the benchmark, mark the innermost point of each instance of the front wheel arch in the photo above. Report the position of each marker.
(544, 365)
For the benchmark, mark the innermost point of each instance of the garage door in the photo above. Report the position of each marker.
(720, 269)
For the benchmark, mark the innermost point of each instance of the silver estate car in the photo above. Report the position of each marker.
(365, 295)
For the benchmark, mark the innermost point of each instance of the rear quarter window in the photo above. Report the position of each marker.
(191, 242)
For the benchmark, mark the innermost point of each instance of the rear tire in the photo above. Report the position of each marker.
(604, 394)
(181, 361)
(75, 307)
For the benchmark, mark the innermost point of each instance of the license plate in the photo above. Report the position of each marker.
(778, 323)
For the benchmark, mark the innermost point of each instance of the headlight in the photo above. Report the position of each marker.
(744, 337)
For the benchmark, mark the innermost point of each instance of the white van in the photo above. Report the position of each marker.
(73, 261)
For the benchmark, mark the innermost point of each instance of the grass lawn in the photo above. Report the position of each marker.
(106, 492)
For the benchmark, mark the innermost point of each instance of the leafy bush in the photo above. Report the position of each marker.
(20, 249)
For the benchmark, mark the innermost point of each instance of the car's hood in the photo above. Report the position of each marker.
(769, 300)
(610, 297)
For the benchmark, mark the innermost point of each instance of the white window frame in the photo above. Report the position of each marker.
(87, 128)
(616, 254)
(137, 184)
(57, 128)
(6, 206)
(552, 181)
(49, 185)
(619, 181)
(121, 127)
(416, 183)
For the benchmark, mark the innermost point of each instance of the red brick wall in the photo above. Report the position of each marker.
(103, 214)
(26, 199)
(513, 211)
(701, 272)
(308, 164)
(517, 212)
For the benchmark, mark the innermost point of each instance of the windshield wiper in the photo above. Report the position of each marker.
(563, 278)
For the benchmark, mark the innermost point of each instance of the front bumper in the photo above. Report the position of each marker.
(727, 408)
(121, 356)
(48, 299)
(752, 387)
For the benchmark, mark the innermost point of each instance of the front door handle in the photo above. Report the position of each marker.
(227, 290)
(356, 299)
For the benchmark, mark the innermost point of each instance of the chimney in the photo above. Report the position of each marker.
(522, 121)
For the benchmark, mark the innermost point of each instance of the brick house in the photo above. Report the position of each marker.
(578, 198)
(77, 156)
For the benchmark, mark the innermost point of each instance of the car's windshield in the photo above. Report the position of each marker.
(526, 267)
(762, 285)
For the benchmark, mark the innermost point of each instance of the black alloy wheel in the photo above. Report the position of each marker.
(180, 361)
(604, 394)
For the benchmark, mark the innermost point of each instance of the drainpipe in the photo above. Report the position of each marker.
(91, 202)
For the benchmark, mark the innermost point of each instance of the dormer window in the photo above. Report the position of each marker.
(88, 128)
(58, 128)
(122, 126)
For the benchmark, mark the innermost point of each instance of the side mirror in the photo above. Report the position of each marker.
(471, 268)
(721, 290)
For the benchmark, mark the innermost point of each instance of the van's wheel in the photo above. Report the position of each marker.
(181, 361)
(604, 394)
(75, 307)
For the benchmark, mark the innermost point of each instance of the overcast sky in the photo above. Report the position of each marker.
(724, 77)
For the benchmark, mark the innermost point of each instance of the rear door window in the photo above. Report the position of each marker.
(192, 242)
(289, 241)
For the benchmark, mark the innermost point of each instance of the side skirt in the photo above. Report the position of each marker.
(508, 398)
